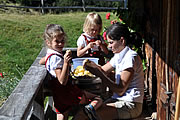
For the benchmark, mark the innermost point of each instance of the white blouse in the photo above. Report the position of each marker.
(128, 58)
(54, 61)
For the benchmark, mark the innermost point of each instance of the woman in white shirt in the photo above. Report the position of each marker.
(128, 87)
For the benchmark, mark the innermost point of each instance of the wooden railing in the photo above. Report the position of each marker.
(27, 99)
(26, 102)
(84, 6)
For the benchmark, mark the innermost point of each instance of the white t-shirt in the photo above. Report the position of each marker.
(81, 42)
(54, 61)
(128, 58)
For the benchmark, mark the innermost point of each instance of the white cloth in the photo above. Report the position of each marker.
(81, 42)
(54, 61)
(128, 58)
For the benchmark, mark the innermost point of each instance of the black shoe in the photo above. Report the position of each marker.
(90, 113)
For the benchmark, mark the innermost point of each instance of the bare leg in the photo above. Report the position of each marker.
(96, 100)
(60, 117)
(63, 116)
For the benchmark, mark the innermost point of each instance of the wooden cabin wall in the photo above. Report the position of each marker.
(160, 28)
(162, 39)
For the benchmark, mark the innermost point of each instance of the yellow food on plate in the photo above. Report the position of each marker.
(80, 71)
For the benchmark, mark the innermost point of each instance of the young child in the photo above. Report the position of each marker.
(91, 43)
(65, 94)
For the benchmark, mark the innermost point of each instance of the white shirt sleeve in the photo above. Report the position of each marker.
(81, 42)
(53, 63)
(128, 62)
(56, 62)
(122, 63)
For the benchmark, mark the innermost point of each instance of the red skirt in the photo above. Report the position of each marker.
(65, 96)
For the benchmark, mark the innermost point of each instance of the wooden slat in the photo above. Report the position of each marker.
(19, 104)
(177, 112)
(111, 0)
(38, 110)
(84, 6)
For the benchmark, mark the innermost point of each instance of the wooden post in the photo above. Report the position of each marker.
(84, 9)
(177, 112)
(167, 55)
(125, 4)
(42, 7)
(38, 105)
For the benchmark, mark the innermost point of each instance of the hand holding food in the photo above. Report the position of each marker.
(68, 56)
(92, 67)
(91, 44)
(86, 61)
(98, 43)
(69, 52)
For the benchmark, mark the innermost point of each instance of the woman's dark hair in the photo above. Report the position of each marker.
(118, 30)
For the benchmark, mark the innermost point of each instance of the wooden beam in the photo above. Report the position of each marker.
(177, 111)
(19, 104)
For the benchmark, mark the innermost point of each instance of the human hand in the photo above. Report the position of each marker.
(92, 67)
(91, 45)
(98, 42)
(67, 56)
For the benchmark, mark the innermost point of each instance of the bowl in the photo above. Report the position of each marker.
(79, 61)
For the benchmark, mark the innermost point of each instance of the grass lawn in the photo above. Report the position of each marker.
(21, 41)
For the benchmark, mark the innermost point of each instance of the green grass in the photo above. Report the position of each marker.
(21, 42)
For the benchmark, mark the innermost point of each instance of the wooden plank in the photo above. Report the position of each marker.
(31, 7)
(19, 103)
(50, 114)
(105, 8)
(38, 110)
(64, 7)
(38, 105)
(84, 6)
(177, 112)
(163, 96)
(112, 0)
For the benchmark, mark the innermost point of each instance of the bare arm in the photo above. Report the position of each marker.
(102, 46)
(126, 77)
(107, 68)
(82, 50)
(42, 61)
(62, 74)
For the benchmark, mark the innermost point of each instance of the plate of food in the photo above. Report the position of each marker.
(81, 73)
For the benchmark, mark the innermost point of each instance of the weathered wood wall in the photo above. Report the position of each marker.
(161, 32)
(167, 60)
(160, 23)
